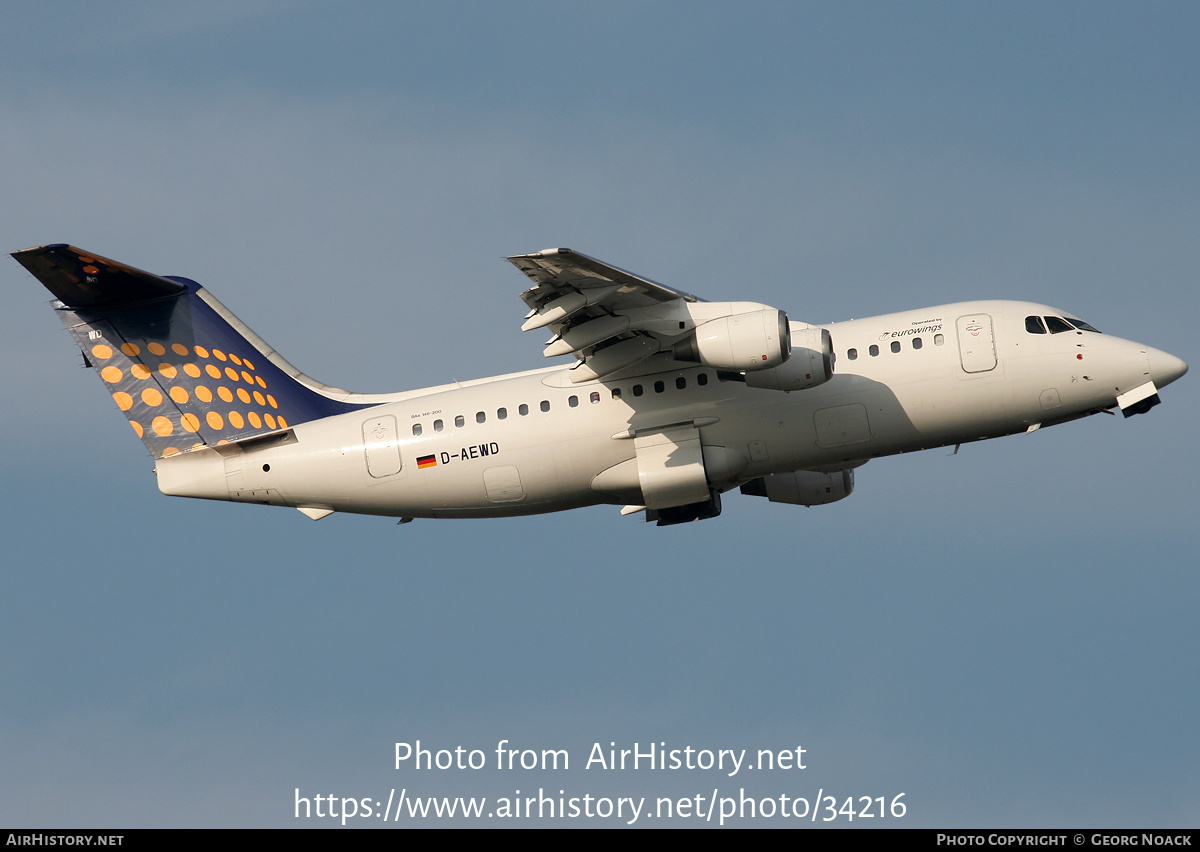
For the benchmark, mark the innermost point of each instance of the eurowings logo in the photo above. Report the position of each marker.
(908, 332)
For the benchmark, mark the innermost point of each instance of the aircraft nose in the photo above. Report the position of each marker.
(1165, 367)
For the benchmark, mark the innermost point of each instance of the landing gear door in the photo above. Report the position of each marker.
(671, 467)
(976, 345)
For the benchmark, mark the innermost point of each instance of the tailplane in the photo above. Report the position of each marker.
(185, 371)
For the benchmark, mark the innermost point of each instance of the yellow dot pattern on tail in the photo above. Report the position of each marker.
(158, 386)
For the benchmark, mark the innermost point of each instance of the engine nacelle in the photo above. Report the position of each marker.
(803, 487)
(811, 363)
(750, 341)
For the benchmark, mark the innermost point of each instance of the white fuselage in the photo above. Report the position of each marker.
(535, 442)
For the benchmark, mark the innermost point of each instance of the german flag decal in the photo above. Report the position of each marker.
(426, 461)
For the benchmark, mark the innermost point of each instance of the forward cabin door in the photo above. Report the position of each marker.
(976, 343)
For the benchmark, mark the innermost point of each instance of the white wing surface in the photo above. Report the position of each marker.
(611, 319)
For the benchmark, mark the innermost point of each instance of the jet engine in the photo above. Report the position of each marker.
(802, 487)
(811, 363)
(750, 341)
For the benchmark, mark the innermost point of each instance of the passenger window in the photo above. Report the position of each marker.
(916, 343)
(545, 405)
(616, 393)
(523, 409)
(874, 350)
(895, 345)
(702, 379)
(480, 417)
(681, 383)
(1057, 326)
(637, 390)
(1034, 325)
(595, 397)
(659, 387)
(459, 420)
(573, 401)
(852, 354)
(416, 429)
(437, 425)
(501, 413)
(939, 339)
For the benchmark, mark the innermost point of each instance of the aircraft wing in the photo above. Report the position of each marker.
(558, 271)
(607, 317)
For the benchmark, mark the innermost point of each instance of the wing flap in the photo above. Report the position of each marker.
(606, 316)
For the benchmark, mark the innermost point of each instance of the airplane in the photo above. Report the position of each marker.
(670, 401)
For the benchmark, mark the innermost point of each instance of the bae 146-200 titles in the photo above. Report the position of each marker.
(669, 403)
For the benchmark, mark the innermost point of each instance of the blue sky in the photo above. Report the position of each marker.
(1007, 636)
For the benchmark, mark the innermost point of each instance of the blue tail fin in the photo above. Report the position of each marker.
(186, 372)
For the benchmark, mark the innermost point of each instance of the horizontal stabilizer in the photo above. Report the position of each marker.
(82, 280)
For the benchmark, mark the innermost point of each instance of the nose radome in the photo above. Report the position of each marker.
(1165, 367)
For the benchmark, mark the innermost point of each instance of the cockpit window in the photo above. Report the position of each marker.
(1034, 325)
(1058, 325)
(1082, 326)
